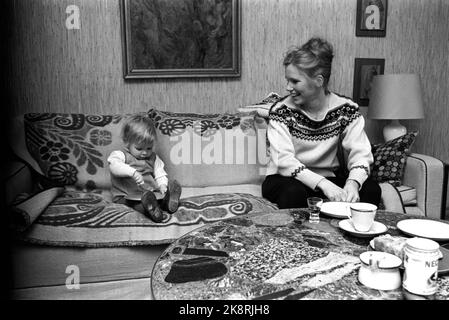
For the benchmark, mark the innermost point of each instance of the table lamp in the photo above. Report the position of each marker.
(394, 97)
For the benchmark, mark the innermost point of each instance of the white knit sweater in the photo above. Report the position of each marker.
(307, 149)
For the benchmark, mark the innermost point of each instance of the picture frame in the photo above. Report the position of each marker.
(371, 18)
(181, 39)
(364, 71)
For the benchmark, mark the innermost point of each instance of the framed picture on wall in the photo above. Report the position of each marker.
(181, 39)
(371, 19)
(364, 71)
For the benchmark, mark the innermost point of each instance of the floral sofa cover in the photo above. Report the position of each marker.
(219, 159)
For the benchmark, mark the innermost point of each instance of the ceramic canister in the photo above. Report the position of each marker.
(421, 266)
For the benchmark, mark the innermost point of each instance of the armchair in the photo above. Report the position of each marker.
(423, 174)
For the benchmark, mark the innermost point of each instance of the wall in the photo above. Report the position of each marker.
(55, 69)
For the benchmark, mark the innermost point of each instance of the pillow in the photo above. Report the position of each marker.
(28, 208)
(201, 150)
(71, 149)
(390, 158)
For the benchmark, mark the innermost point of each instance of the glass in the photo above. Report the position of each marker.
(314, 204)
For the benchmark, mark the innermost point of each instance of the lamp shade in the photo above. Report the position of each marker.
(395, 96)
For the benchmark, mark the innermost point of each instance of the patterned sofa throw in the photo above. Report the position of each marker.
(81, 219)
(199, 150)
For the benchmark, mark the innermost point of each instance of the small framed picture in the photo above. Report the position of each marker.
(364, 72)
(371, 20)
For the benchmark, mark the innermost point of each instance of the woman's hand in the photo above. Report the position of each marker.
(352, 191)
(332, 191)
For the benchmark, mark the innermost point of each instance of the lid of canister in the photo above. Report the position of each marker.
(385, 260)
(422, 244)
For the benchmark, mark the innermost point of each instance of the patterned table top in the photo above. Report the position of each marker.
(273, 255)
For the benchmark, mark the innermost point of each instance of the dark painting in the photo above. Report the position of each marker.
(364, 72)
(171, 38)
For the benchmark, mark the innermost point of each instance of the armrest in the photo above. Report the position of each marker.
(391, 198)
(426, 175)
(18, 179)
(26, 195)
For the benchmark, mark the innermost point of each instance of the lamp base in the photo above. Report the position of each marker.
(393, 130)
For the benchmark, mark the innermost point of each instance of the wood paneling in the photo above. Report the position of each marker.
(55, 69)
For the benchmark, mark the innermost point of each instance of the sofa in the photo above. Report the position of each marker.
(69, 241)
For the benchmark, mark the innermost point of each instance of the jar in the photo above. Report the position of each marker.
(421, 266)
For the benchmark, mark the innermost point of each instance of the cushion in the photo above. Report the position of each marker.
(212, 149)
(27, 208)
(390, 158)
(71, 149)
(83, 219)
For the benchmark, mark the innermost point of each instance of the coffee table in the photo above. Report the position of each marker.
(276, 255)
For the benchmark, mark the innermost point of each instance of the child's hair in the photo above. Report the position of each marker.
(139, 129)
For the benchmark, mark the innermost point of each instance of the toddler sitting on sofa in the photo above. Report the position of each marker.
(137, 173)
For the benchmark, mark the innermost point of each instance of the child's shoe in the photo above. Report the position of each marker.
(171, 199)
(151, 207)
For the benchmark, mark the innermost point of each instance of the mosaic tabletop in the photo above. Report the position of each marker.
(277, 255)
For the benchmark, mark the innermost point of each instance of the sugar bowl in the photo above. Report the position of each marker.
(380, 270)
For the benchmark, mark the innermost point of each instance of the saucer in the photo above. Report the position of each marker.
(376, 229)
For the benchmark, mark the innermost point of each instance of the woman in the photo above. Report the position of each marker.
(308, 128)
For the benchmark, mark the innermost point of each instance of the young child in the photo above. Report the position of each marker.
(136, 170)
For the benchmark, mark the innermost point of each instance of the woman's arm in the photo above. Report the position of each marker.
(356, 143)
(282, 154)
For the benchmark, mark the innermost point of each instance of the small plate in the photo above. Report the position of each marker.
(336, 209)
(430, 229)
(376, 229)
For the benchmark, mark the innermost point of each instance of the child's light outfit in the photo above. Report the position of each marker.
(123, 165)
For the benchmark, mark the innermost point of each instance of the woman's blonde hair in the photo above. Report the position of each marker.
(139, 129)
(314, 58)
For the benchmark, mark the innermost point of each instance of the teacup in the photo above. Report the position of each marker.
(362, 215)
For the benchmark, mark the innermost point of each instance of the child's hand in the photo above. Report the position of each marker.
(138, 178)
(163, 189)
